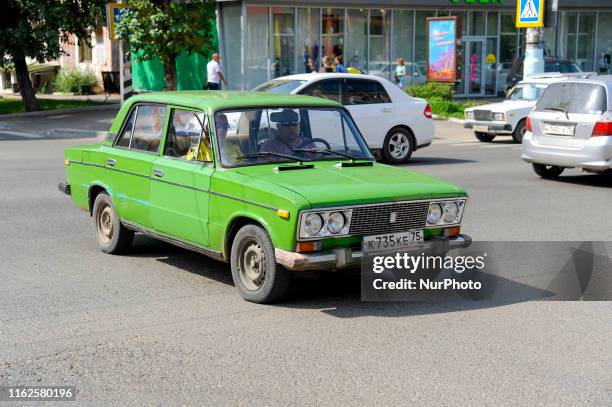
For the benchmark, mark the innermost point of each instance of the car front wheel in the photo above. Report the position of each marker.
(398, 146)
(111, 235)
(254, 270)
(484, 137)
(547, 171)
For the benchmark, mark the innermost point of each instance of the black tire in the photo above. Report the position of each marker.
(547, 171)
(519, 132)
(484, 137)
(111, 235)
(398, 146)
(254, 270)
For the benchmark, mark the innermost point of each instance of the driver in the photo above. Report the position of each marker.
(288, 136)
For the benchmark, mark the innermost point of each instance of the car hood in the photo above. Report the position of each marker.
(328, 184)
(506, 106)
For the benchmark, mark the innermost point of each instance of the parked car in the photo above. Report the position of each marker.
(390, 120)
(269, 183)
(571, 127)
(551, 64)
(508, 118)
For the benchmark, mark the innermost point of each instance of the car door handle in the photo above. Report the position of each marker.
(386, 110)
(158, 172)
(111, 162)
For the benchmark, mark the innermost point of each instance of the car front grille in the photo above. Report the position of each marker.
(482, 115)
(376, 219)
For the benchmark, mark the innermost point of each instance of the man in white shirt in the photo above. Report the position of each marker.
(213, 74)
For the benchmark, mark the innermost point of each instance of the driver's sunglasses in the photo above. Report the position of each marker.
(289, 124)
(224, 126)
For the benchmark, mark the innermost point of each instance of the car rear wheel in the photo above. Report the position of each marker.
(398, 146)
(254, 270)
(111, 235)
(547, 171)
(484, 137)
(519, 132)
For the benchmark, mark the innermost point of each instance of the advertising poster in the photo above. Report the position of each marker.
(442, 49)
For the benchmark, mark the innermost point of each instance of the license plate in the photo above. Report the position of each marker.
(559, 129)
(482, 129)
(393, 241)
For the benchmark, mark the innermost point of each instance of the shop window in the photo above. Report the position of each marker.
(379, 54)
(85, 51)
(308, 46)
(257, 47)
(231, 53)
(603, 54)
(283, 61)
(357, 39)
(420, 43)
(332, 32)
(401, 46)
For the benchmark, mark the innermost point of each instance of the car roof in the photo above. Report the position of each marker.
(605, 80)
(326, 75)
(215, 100)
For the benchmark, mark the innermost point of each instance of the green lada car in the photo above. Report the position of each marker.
(269, 183)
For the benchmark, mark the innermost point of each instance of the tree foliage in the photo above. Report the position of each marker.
(36, 29)
(164, 29)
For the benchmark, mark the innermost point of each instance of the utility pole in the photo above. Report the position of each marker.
(534, 53)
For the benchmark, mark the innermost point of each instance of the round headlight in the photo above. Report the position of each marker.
(335, 222)
(313, 224)
(451, 210)
(435, 213)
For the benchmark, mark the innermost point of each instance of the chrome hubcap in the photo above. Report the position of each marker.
(105, 224)
(252, 266)
(399, 145)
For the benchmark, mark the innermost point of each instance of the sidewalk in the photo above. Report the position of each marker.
(113, 98)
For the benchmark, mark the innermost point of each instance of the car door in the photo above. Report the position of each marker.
(180, 178)
(130, 159)
(371, 107)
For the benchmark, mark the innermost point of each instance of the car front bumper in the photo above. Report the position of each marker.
(492, 127)
(345, 257)
(595, 154)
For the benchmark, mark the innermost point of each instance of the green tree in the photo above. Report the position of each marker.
(36, 29)
(164, 29)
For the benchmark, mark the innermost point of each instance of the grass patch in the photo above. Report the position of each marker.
(8, 105)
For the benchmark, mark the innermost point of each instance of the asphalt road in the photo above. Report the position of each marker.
(166, 326)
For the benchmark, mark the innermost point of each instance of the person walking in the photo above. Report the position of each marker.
(400, 73)
(214, 76)
(602, 63)
(340, 68)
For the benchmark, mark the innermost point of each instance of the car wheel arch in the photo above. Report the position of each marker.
(94, 190)
(234, 225)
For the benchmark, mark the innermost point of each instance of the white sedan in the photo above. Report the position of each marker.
(390, 120)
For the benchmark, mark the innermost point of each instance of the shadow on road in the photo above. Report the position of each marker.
(436, 161)
(590, 180)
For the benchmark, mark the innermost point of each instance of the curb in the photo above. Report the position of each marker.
(54, 112)
(62, 133)
(455, 120)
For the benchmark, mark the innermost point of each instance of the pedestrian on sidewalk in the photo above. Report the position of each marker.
(602, 64)
(340, 65)
(214, 76)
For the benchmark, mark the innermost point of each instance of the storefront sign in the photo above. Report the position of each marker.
(529, 13)
(442, 35)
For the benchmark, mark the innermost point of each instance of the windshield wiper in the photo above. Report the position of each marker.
(271, 154)
(326, 151)
(558, 109)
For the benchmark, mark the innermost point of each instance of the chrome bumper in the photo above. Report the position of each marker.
(344, 257)
(494, 127)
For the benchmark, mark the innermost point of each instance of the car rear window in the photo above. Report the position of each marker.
(586, 98)
(561, 66)
(280, 86)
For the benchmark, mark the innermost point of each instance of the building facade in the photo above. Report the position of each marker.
(261, 40)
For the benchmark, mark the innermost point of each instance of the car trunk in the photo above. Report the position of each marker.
(566, 114)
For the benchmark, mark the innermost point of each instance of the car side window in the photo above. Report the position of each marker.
(185, 138)
(148, 128)
(361, 92)
(126, 133)
(328, 89)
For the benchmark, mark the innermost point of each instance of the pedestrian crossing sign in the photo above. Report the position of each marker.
(529, 13)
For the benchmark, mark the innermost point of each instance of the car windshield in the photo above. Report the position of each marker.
(572, 97)
(279, 134)
(527, 91)
(561, 66)
(280, 86)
